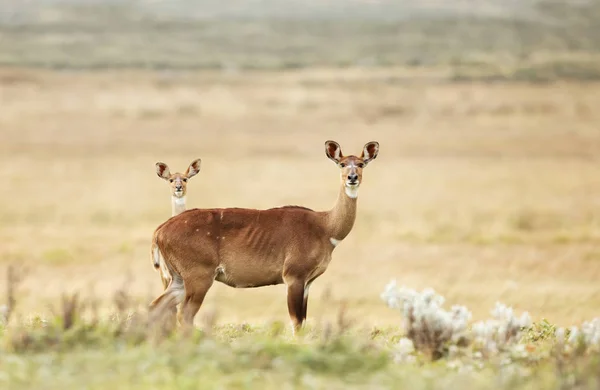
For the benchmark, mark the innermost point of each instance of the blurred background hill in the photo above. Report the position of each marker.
(534, 40)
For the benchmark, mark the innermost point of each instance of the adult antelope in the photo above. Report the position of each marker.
(252, 248)
(177, 183)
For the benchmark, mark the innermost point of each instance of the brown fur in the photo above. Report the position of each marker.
(252, 248)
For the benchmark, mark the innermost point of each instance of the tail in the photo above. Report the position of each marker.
(158, 262)
(156, 255)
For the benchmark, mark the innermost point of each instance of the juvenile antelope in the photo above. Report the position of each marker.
(177, 183)
(246, 248)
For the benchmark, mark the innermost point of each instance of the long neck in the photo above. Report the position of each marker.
(177, 205)
(340, 218)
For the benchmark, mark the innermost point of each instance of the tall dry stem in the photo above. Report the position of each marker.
(14, 277)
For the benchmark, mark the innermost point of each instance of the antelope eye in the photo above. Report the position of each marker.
(342, 165)
(185, 180)
(171, 180)
(360, 165)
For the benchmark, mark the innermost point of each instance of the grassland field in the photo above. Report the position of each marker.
(482, 191)
(485, 188)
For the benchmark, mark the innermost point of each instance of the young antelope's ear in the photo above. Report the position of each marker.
(193, 169)
(162, 170)
(333, 151)
(370, 151)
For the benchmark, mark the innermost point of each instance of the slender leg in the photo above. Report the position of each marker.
(167, 301)
(194, 296)
(295, 298)
(305, 301)
(166, 280)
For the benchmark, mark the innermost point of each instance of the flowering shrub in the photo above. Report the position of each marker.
(502, 332)
(429, 326)
(585, 339)
(435, 331)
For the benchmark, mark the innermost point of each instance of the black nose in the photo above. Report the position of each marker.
(178, 188)
(353, 178)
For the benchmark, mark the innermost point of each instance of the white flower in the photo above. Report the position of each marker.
(483, 329)
(588, 336)
(390, 296)
(501, 311)
(525, 320)
(405, 346)
(574, 335)
(3, 314)
(591, 332)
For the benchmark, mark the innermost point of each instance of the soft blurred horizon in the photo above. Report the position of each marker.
(490, 40)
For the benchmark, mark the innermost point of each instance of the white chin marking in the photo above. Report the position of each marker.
(334, 242)
(352, 192)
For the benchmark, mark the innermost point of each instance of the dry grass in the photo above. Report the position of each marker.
(483, 192)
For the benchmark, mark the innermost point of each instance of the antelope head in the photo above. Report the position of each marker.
(351, 167)
(177, 181)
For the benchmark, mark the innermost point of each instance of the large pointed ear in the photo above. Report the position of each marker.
(333, 151)
(193, 169)
(162, 170)
(370, 151)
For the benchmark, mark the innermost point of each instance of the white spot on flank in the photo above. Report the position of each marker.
(334, 242)
(220, 271)
(352, 192)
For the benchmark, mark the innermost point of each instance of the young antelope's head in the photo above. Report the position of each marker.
(351, 166)
(177, 181)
